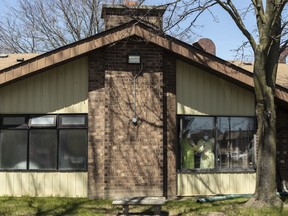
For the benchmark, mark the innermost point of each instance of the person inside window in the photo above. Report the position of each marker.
(188, 151)
(205, 146)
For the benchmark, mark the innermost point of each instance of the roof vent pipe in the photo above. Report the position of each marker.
(206, 45)
(20, 59)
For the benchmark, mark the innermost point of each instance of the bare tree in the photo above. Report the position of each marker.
(39, 26)
(267, 42)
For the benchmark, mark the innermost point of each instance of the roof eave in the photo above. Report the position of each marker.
(212, 63)
(65, 53)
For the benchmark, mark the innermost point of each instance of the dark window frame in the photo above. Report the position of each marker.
(28, 127)
(216, 169)
(11, 126)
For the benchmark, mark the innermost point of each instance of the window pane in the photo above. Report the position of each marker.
(197, 142)
(49, 120)
(43, 149)
(235, 139)
(73, 149)
(13, 149)
(72, 120)
(13, 120)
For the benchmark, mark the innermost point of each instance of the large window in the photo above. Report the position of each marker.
(216, 143)
(43, 142)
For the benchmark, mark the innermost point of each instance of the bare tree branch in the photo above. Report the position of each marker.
(233, 12)
(39, 26)
(259, 10)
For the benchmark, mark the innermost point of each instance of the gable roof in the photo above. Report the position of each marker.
(206, 61)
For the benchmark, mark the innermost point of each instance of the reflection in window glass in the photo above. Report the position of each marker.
(223, 143)
(235, 142)
(72, 120)
(72, 149)
(13, 149)
(52, 142)
(198, 142)
(49, 120)
(43, 149)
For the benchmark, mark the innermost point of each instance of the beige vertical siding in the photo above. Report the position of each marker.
(216, 183)
(201, 93)
(43, 184)
(63, 89)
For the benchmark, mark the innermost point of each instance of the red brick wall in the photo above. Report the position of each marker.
(127, 159)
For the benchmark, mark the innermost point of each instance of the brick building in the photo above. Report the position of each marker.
(125, 113)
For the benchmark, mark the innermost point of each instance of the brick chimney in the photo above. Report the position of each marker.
(206, 45)
(115, 15)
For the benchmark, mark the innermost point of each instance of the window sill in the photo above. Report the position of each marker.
(209, 171)
(41, 171)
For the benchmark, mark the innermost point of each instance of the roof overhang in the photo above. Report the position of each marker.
(210, 63)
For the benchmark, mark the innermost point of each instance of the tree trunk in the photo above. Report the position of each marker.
(265, 193)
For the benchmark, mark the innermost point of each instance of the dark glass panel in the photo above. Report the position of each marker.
(73, 148)
(13, 149)
(43, 149)
(235, 142)
(197, 142)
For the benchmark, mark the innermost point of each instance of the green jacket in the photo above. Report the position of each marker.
(188, 152)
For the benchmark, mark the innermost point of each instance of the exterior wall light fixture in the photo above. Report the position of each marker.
(134, 59)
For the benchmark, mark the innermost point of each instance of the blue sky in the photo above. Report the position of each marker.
(224, 33)
(4, 3)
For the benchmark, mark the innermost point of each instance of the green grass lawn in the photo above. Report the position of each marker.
(80, 206)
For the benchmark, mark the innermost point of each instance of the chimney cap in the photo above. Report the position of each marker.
(157, 10)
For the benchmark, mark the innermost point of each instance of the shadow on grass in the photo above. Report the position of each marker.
(58, 207)
(80, 206)
(67, 209)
